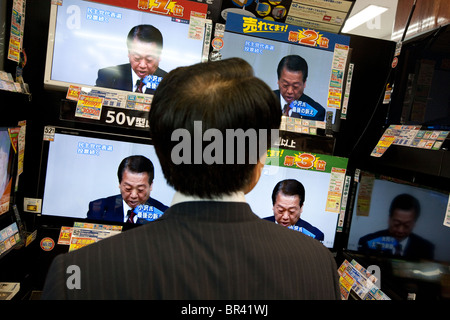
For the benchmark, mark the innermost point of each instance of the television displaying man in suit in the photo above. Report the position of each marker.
(142, 73)
(209, 244)
(292, 72)
(288, 198)
(133, 204)
(398, 239)
(5, 146)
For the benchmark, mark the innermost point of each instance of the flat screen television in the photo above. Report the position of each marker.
(374, 232)
(323, 177)
(7, 157)
(86, 36)
(9, 230)
(80, 166)
(264, 43)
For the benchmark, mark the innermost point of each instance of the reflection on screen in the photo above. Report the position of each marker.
(374, 231)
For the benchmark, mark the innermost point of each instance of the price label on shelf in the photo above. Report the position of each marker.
(49, 133)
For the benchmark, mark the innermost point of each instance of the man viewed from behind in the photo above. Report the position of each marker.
(208, 244)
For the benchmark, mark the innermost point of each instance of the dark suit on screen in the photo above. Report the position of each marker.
(416, 249)
(111, 208)
(222, 250)
(319, 116)
(120, 77)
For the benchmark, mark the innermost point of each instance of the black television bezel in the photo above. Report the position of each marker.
(411, 51)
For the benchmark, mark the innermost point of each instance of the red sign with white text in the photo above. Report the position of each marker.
(175, 8)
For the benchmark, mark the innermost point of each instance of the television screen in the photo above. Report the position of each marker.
(8, 150)
(80, 166)
(87, 44)
(323, 178)
(10, 235)
(264, 43)
(395, 219)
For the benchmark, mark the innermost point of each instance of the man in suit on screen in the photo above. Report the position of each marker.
(208, 244)
(142, 73)
(398, 240)
(288, 197)
(292, 72)
(133, 204)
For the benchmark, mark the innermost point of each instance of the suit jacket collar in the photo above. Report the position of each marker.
(118, 207)
(123, 79)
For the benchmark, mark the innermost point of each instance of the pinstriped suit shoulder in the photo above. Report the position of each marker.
(200, 250)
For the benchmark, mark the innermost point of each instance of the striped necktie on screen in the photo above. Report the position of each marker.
(130, 216)
(286, 110)
(139, 84)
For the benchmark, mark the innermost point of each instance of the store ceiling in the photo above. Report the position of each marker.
(380, 27)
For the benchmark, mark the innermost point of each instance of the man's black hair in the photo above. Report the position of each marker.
(293, 63)
(136, 164)
(289, 187)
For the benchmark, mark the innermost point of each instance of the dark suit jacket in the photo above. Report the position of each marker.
(417, 248)
(313, 231)
(120, 77)
(111, 208)
(200, 250)
(320, 115)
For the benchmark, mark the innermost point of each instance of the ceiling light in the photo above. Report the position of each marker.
(363, 16)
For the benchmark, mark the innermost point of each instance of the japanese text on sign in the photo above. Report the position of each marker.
(162, 7)
(174, 8)
(305, 161)
(309, 37)
(253, 25)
